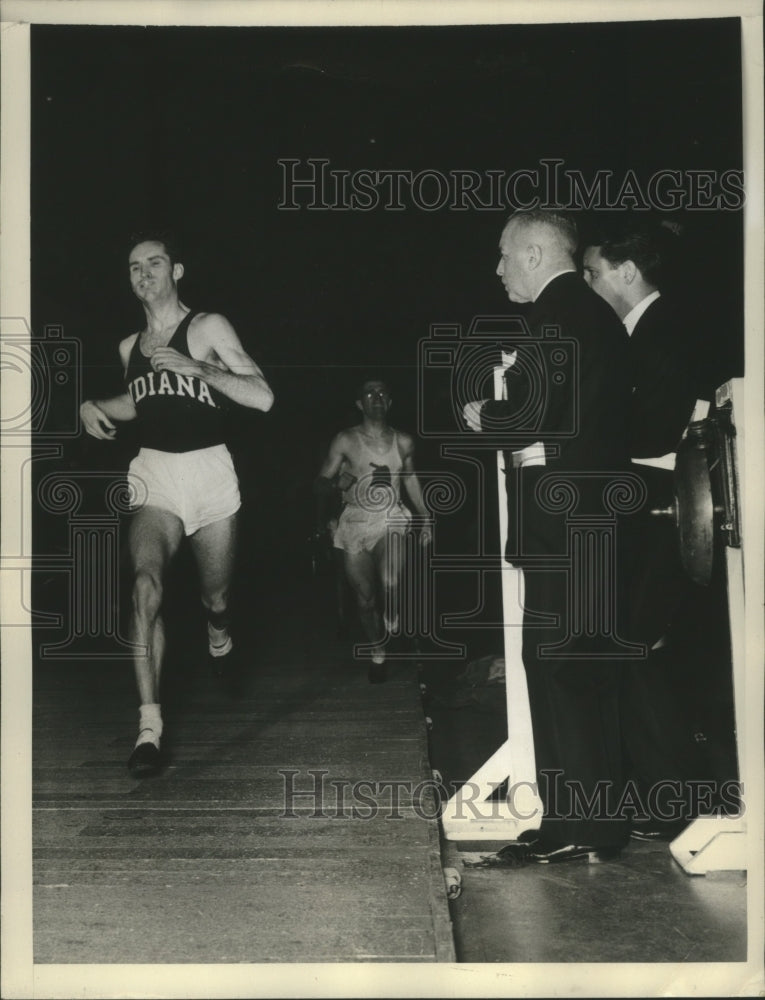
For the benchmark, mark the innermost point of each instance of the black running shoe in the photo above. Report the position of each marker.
(144, 760)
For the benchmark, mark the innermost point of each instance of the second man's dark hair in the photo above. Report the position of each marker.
(648, 247)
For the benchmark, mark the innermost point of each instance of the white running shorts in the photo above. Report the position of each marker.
(359, 530)
(200, 487)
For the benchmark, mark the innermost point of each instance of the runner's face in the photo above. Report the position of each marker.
(375, 400)
(152, 275)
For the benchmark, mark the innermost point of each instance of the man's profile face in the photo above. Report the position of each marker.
(152, 274)
(603, 278)
(374, 400)
(512, 268)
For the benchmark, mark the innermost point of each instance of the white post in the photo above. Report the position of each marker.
(470, 814)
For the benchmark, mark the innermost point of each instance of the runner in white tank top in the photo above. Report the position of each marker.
(378, 457)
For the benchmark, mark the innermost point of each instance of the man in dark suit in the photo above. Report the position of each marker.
(626, 268)
(563, 426)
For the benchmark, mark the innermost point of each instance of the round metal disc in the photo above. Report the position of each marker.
(695, 510)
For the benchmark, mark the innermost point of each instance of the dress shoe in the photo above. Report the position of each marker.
(553, 854)
(144, 760)
(657, 832)
(542, 852)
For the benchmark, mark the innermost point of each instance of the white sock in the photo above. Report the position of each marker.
(150, 724)
(391, 624)
(219, 640)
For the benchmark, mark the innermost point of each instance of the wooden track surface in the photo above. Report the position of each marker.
(203, 863)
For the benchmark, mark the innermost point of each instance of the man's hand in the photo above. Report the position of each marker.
(472, 414)
(167, 359)
(96, 422)
(426, 535)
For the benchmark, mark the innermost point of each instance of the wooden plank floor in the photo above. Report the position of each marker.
(206, 862)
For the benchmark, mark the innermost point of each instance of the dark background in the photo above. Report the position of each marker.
(183, 127)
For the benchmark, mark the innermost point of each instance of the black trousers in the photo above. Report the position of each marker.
(574, 695)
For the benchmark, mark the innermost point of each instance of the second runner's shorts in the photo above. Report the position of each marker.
(359, 530)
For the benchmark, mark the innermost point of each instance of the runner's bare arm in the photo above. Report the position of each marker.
(97, 414)
(337, 454)
(232, 371)
(412, 483)
(325, 485)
